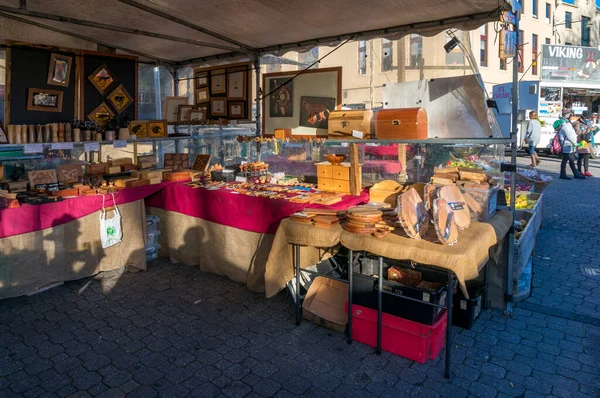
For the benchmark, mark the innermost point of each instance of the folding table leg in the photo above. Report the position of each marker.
(485, 296)
(449, 325)
(350, 280)
(297, 250)
(379, 304)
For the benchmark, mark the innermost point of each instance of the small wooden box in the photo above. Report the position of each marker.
(153, 181)
(112, 169)
(333, 178)
(151, 174)
(136, 183)
(147, 159)
(343, 123)
(66, 192)
(17, 186)
(127, 167)
(176, 175)
(95, 168)
(120, 162)
(402, 124)
(122, 182)
(146, 165)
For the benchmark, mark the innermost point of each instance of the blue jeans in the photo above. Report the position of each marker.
(531, 149)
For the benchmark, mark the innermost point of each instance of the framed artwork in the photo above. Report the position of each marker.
(314, 111)
(44, 100)
(102, 79)
(218, 83)
(120, 99)
(157, 128)
(200, 113)
(236, 84)
(202, 95)
(201, 79)
(236, 110)
(201, 162)
(183, 113)
(60, 70)
(218, 107)
(101, 115)
(281, 100)
(177, 161)
(139, 128)
(172, 108)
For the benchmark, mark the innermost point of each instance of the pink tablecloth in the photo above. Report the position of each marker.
(382, 150)
(249, 213)
(29, 218)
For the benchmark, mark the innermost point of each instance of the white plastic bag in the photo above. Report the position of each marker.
(110, 229)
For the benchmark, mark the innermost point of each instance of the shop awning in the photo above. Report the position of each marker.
(177, 31)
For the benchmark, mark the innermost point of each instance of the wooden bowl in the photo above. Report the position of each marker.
(335, 159)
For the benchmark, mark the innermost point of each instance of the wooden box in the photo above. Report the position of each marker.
(147, 159)
(17, 186)
(177, 161)
(333, 178)
(136, 183)
(69, 172)
(120, 162)
(176, 175)
(127, 167)
(401, 124)
(39, 177)
(278, 133)
(112, 169)
(343, 123)
(122, 182)
(66, 192)
(153, 181)
(151, 174)
(95, 168)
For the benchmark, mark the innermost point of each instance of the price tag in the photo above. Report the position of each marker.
(357, 134)
(33, 148)
(62, 145)
(240, 179)
(120, 144)
(91, 146)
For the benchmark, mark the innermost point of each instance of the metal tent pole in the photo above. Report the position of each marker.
(513, 174)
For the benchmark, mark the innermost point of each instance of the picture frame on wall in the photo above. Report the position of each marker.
(236, 84)
(202, 95)
(171, 111)
(101, 115)
(236, 110)
(102, 79)
(218, 107)
(44, 100)
(199, 113)
(183, 113)
(218, 81)
(139, 128)
(60, 70)
(157, 128)
(201, 79)
(120, 99)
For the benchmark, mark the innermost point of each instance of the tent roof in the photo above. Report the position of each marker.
(183, 30)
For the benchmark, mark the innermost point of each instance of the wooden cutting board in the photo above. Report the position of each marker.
(458, 204)
(413, 214)
(444, 222)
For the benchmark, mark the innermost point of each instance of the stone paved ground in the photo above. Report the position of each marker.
(174, 331)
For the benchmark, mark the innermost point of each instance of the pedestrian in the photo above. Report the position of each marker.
(568, 140)
(532, 137)
(584, 133)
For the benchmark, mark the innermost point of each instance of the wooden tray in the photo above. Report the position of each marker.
(444, 222)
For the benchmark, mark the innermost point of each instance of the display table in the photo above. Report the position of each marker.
(223, 232)
(52, 243)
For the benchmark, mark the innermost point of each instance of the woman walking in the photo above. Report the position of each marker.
(532, 137)
(584, 132)
(568, 140)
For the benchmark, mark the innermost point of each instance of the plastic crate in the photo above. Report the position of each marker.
(152, 238)
(399, 336)
(487, 199)
(466, 311)
(364, 293)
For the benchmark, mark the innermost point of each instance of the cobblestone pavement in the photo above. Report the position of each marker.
(175, 331)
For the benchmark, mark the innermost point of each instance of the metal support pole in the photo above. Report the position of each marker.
(297, 250)
(513, 175)
(379, 304)
(258, 96)
(449, 324)
(350, 286)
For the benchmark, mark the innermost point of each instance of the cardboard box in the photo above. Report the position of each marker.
(325, 304)
(112, 169)
(120, 162)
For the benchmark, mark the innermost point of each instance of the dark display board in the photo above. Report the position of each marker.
(122, 71)
(29, 69)
(570, 64)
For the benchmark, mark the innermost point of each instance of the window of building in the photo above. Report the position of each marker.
(585, 31)
(548, 40)
(502, 64)
(568, 19)
(456, 56)
(570, 2)
(416, 50)
(548, 12)
(534, 54)
(362, 57)
(154, 84)
(387, 55)
(568, 43)
(534, 8)
(521, 56)
(483, 46)
(522, 3)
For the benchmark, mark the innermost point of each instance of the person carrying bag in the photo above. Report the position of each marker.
(584, 149)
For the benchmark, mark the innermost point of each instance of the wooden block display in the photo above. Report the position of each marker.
(137, 183)
(153, 181)
(176, 175)
(127, 167)
(95, 168)
(112, 169)
(120, 162)
(66, 192)
(122, 182)
(151, 174)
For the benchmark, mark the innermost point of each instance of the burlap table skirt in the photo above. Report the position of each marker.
(70, 251)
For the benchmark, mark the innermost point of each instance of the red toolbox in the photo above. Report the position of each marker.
(399, 336)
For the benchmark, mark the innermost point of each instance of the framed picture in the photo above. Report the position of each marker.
(157, 128)
(101, 115)
(218, 107)
(201, 162)
(201, 79)
(218, 82)
(236, 84)
(120, 99)
(202, 95)
(183, 113)
(196, 114)
(44, 100)
(314, 111)
(139, 128)
(102, 79)
(172, 108)
(60, 70)
(281, 101)
(236, 110)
